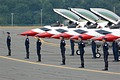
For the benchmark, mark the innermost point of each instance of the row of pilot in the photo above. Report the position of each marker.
(81, 46)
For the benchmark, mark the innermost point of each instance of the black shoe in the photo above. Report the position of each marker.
(62, 64)
(104, 69)
(8, 55)
(81, 67)
(71, 54)
(38, 61)
(115, 60)
(26, 58)
(93, 57)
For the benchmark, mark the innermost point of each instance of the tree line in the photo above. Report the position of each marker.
(28, 12)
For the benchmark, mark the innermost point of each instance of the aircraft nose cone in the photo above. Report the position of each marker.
(99, 38)
(74, 37)
(111, 37)
(57, 36)
(65, 35)
(86, 36)
(44, 35)
(30, 33)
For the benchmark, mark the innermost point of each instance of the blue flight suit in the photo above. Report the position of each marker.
(81, 46)
(62, 47)
(9, 45)
(115, 51)
(93, 46)
(106, 53)
(27, 47)
(38, 46)
(72, 46)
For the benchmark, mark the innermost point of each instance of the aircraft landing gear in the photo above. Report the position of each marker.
(98, 55)
(77, 52)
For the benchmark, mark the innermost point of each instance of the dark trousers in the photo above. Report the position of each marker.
(116, 55)
(72, 49)
(63, 56)
(9, 50)
(82, 58)
(106, 61)
(27, 52)
(94, 52)
(38, 54)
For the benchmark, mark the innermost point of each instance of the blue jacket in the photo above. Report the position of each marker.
(62, 44)
(8, 41)
(105, 49)
(27, 42)
(81, 46)
(38, 44)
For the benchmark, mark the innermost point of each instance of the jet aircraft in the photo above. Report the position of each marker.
(86, 33)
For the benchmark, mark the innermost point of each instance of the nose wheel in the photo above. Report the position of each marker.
(78, 52)
(98, 55)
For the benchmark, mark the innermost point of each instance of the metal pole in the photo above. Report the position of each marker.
(12, 21)
(41, 17)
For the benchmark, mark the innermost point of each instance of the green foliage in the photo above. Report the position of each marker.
(28, 12)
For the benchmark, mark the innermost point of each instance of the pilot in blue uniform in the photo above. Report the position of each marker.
(93, 46)
(38, 46)
(81, 46)
(9, 44)
(105, 53)
(115, 51)
(62, 47)
(72, 47)
(27, 47)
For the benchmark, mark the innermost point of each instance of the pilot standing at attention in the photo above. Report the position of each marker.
(62, 47)
(38, 46)
(81, 46)
(27, 47)
(115, 51)
(72, 47)
(9, 43)
(105, 53)
(93, 46)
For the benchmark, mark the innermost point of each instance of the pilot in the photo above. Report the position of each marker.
(115, 51)
(93, 46)
(9, 43)
(38, 46)
(105, 53)
(62, 47)
(81, 46)
(57, 23)
(72, 47)
(27, 47)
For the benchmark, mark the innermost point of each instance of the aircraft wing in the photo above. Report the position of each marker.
(85, 14)
(67, 14)
(108, 15)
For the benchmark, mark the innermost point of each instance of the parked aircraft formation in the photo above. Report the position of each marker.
(94, 24)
